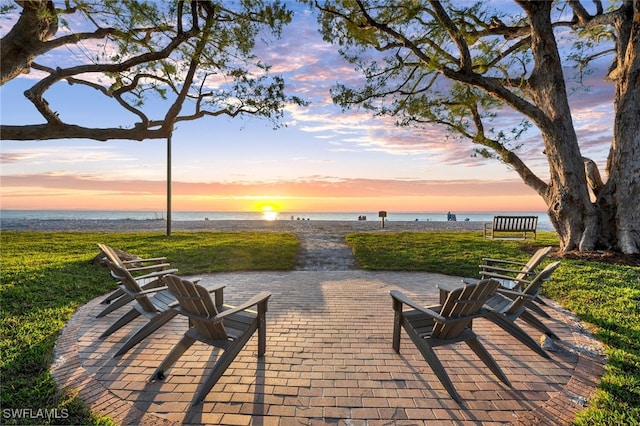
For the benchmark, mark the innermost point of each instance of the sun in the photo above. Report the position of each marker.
(269, 213)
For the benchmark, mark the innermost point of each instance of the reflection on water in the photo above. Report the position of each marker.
(269, 215)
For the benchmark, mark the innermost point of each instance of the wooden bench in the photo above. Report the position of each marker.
(511, 224)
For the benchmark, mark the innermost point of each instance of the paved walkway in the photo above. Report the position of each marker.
(323, 248)
(329, 361)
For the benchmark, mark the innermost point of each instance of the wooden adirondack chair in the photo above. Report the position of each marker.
(451, 322)
(512, 272)
(153, 270)
(516, 279)
(212, 322)
(154, 304)
(506, 306)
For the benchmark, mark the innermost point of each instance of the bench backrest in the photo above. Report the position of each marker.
(515, 223)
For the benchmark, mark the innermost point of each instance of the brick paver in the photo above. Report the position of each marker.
(329, 361)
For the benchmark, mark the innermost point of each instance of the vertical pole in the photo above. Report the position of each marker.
(169, 185)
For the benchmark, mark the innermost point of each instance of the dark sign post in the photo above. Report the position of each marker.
(382, 215)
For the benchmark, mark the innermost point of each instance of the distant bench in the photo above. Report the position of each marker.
(511, 224)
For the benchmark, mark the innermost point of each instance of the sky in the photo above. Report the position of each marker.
(323, 160)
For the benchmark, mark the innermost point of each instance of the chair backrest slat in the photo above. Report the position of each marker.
(131, 285)
(111, 254)
(113, 257)
(463, 304)
(533, 263)
(533, 288)
(196, 302)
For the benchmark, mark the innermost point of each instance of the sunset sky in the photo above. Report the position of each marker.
(324, 160)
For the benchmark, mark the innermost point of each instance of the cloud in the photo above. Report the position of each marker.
(17, 157)
(79, 154)
(312, 186)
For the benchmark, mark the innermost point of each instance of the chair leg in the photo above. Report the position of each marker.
(118, 293)
(262, 333)
(112, 296)
(397, 322)
(218, 370)
(222, 364)
(516, 332)
(433, 361)
(536, 323)
(539, 300)
(154, 324)
(120, 302)
(488, 360)
(537, 309)
(175, 354)
(126, 318)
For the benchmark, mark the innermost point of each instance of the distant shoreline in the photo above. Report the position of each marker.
(133, 225)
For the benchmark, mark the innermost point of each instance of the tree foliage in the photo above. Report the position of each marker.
(460, 65)
(197, 57)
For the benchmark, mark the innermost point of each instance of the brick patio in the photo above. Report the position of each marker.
(329, 361)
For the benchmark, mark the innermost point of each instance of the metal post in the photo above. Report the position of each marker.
(169, 185)
(382, 215)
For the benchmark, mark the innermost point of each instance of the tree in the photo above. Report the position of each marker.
(458, 65)
(194, 56)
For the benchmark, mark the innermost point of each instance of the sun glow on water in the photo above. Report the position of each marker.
(269, 213)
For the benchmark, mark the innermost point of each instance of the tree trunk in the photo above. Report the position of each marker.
(620, 200)
(38, 22)
(567, 195)
(619, 203)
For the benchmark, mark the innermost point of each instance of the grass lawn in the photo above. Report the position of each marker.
(45, 277)
(603, 295)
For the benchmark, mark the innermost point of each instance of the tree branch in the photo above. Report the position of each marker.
(465, 57)
(508, 156)
(36, 132)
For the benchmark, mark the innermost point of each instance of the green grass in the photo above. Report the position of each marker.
(605, 296)
(451, 253)
(45, 277)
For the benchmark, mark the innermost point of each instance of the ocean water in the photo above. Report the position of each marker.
(543, 220)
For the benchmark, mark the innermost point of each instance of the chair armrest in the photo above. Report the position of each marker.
(403, 299)
(506, 277)
(153, 259)
(255, 300)
(507, 262)
(148, 267)
(156, 274)
(512, 294)
(151, 290)
(217, 291)
(449, 286)
(490, 268)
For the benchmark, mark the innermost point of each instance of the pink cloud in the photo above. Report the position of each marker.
(317, 186)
